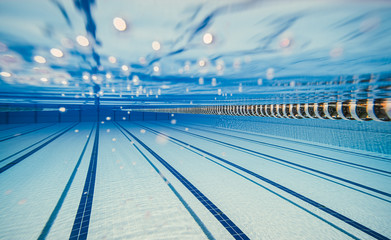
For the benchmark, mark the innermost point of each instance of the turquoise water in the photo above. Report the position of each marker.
(81, 157)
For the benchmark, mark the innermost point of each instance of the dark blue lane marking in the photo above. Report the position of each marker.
(32, 145)
(329, 159)
(216, 212)
(82, 219)
(18, 160)
(305, 143)
(56, 210)
(341, 217)
(184, 203)
(256, 183)
(288, 162)
(23, 133)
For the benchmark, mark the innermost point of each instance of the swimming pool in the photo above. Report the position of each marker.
(195, 120)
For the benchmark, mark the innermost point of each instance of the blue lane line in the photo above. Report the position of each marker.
(32, 145)
(329, 159)
(184, 203)
(262, 186)
(23, 133)
(216, 212)
(288, 162)
(82, 219)
(56, 210)
(321, 207)
(308, 144)
(18, 160)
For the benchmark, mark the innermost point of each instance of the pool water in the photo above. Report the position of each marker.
(195, 119)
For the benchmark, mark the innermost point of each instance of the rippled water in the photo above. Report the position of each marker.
(194, 52)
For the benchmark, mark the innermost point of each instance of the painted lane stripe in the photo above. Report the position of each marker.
(23, 133)
(288, 162)
(184, 203)
(235, 231)
(329, 159)
(32, 145)
(256, 183)
(83, 214)
(321, 207)
(329, 148)
(56, 210)
(18, 160)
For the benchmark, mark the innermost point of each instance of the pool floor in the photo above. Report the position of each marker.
(158, 180)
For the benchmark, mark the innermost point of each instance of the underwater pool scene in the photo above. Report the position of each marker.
(195, 119)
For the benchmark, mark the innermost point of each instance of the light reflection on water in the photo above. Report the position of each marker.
(239, 51)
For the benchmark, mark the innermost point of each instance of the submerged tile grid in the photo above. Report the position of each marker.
(87, 203)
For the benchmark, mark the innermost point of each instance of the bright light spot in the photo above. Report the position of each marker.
(94, 77)
(187, 66)
(142, 131)
(108, 118)
(159, 91)
(135, 79)
(124, 68)
(214, 82)
(108, 75)
(77, 130)
(114, 139)
(39, 59)
(119, 24)
(219, 91)
(207, 38)
(187, 90)
(62, 109)
(270, 73)
(161, 139)
(64, 82)
(86, 76)
(201, 81)
(284, 43)
(173, 121)
(156, 45)
(82, 41)
(156, 68)
(62, 94)
(240, 88)
(165, 86)
(104, 123)
(112, 59)
(108, 130)
(260, 81)
(113, 149)
(202, 63)
(172, 114)
(56, 52)
(43, 79)
(186, 129)
(128, 112)
(5, 74)
(219, 67)
(124, 118)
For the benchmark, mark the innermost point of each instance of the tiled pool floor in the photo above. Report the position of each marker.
(156, 180)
